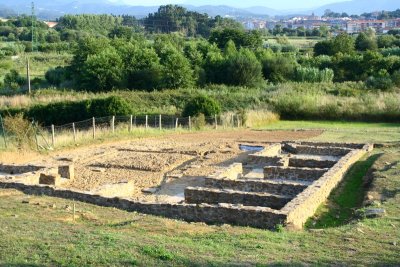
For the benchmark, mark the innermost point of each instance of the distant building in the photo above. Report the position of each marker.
(357, 26)
(51, 24)
(255, 24)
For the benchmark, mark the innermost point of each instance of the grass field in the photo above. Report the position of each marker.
(344, 131)
(45, 232)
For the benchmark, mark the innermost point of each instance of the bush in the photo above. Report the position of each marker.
(382, 81)
(21, 130)
(201, 104)
(396, 78)
(13, 80)
(199, 121)
(55, 76)
(112, 105)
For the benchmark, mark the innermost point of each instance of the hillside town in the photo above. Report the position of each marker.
(349, 24)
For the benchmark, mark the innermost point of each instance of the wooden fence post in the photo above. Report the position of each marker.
(190, 124)
(147, 122)
(113, 124)
(216, 122)
(130, 123)
(94, 128)
(176, 123)
(53, 141)
(74, 130)
(160, 123)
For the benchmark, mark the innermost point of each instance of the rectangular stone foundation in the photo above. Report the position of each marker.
(305, 196)
(294, 174)
(198, 195)
(273, 187)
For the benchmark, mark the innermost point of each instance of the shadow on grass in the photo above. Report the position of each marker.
(346, 198)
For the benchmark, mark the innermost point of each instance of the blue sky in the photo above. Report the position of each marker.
(276, 4)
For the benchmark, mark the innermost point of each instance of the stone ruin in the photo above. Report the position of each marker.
(282, 183)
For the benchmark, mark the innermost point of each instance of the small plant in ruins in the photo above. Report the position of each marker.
(199, 121)
(21, 130)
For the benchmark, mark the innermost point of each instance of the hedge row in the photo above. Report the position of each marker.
(66, 112)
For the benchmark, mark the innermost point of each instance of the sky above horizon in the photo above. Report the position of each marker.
(276, 4)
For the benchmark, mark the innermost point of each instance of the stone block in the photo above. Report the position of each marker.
(67, 171)
(50, 179)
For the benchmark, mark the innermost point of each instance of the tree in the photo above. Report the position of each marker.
(279, 68)
(142, 66)
(366, 42)
(243, 68)
(386, 41)
(238, 36)
(323, 48)
(343, 43)
(102, 71)
(177, 71)
(55, 76)
(85, 48)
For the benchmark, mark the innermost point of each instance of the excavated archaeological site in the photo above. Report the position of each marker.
(259, 182)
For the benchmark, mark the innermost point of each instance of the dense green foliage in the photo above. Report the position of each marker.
(201, 105)
(65, 112)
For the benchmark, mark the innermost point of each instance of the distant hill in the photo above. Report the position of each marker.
(358, 7)
(53, 9)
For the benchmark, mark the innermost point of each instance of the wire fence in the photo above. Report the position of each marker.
(53, 136)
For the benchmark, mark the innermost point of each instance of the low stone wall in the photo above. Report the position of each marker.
(232, 172)
(272, 187)
(259, 217)
(306, 203)
(17, 169)
(310, 163)
(272, 150)
(328, 144)
(316, 150)
(198, 195)
(257, 160)
(291, 173)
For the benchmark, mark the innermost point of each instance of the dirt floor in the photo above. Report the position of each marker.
(163, 165)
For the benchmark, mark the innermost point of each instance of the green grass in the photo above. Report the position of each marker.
(335, 131)
(345, 199)
(38, 234)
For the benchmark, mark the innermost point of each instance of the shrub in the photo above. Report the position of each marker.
(13, 80)
(396, 78)
(201, 104)
(21, 130)
(199, 121)
(382, 81)
(55, 76)
(113, 105)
